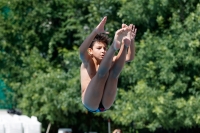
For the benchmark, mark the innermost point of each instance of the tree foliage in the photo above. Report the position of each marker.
(159, 89)
(162, 88)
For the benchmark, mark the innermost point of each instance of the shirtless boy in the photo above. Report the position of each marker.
(100, 67)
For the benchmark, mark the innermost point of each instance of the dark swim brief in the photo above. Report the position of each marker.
(100, 109)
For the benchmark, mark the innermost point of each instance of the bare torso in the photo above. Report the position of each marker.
(87, 72)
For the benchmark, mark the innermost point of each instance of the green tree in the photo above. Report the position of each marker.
(159, 89)
(155, 15)
(39, 59)
(162, 88)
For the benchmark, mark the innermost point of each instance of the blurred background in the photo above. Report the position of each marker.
(157, 92)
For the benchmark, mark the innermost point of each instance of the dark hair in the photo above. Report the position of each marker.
(117, 131)
(100, 38)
